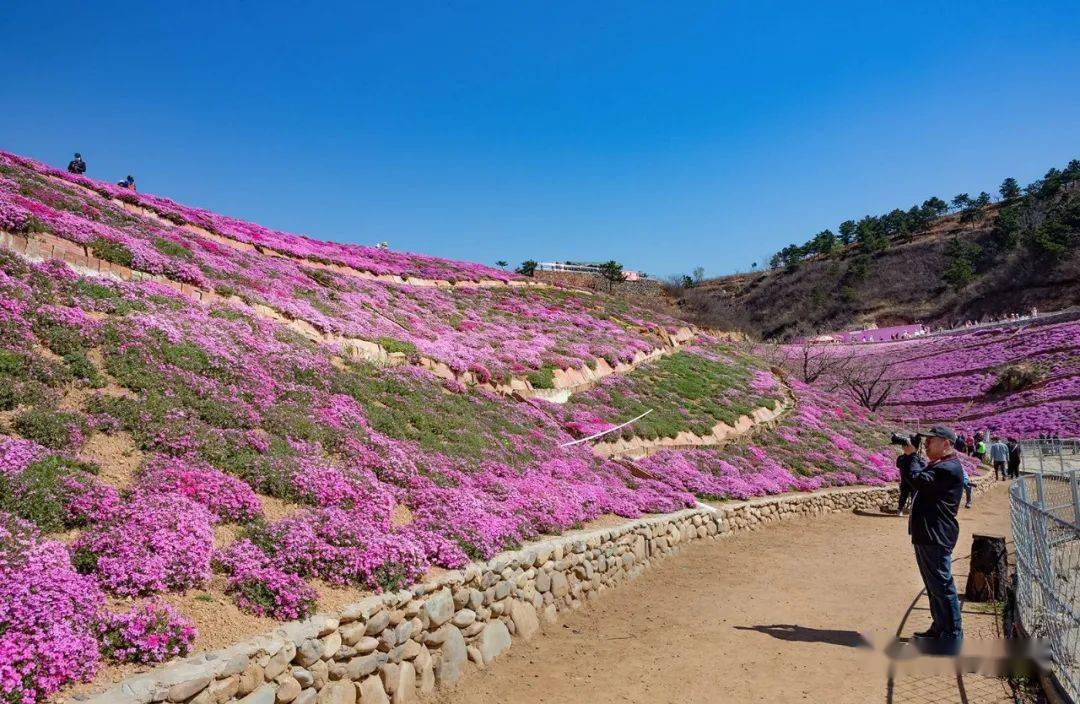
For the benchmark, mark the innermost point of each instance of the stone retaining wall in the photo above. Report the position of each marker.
(401, 645)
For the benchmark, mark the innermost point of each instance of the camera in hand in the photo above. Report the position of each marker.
(905, 439)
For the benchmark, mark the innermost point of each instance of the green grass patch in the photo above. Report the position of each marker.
(111, 251)
(391, 345)
(414, 408)
(542, 378)
(172, 249)
(684, 391)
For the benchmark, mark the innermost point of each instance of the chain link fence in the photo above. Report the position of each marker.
(1045, 512)
(1047, 456)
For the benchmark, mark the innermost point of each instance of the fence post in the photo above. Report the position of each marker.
(1039, 490)
(1075, 486)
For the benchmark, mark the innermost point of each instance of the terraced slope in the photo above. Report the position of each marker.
(196, 421)
(1017, 380)
(477, 332)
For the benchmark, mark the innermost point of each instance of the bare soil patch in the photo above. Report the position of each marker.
(117, 456)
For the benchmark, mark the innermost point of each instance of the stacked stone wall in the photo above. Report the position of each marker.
(400, 646)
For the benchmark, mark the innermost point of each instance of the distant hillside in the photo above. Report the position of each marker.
(986, 259)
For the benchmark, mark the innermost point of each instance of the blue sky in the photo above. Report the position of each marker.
(664, 135)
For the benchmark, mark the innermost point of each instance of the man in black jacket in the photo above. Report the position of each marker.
(1014, 458)
(939, 487)
(904, 463)
(77, 165)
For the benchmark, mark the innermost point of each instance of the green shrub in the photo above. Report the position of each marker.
(82, 368)
(53, 429)
(1015, 377)
(542, 378)
(11, 362)
(61, 340)
(37, 493)
(111, 251)
(8, 398)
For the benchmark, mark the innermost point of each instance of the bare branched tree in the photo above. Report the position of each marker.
(820, 364)
(869, 383)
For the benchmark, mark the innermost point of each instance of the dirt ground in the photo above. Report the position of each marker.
(771, 616)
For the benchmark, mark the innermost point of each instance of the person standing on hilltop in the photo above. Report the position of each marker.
(939, 486)
(77, 165)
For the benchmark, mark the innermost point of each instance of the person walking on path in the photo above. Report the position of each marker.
(77, 165)
(999, 455)
(934, 530)
(1014, 458)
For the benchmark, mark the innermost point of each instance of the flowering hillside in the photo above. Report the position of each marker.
(1016, 380)
(487, 332)
(156, 443)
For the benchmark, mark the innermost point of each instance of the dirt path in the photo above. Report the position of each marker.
(770, 616)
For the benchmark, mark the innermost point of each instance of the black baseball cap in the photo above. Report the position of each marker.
(940, 431)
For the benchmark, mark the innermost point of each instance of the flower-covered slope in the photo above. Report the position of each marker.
(1016, 380)
(491, 333)
(368, 259)
(281, 465)
(229, 411)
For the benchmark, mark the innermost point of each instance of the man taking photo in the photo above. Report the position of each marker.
(938, 487)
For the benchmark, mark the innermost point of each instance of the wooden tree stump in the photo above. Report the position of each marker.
(988, 577)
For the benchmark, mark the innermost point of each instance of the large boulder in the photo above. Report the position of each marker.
(526, 624)
(494, 640)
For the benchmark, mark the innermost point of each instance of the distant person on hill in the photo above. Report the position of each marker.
(77, 165)
(999, 455)
(960, 445)
(1014, 458)
(128, 182)
(970, 442)
(934, 530)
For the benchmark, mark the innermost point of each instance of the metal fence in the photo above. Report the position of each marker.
(1044, 456)
(1045, 511)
